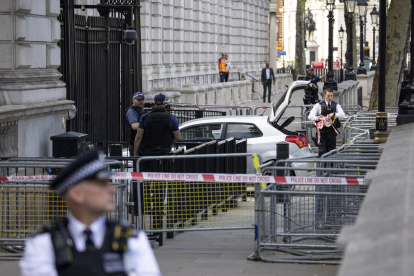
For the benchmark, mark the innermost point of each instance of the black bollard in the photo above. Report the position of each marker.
(282, 152)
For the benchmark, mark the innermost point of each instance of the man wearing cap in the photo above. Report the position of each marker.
(311, 93)
(85, 243)
(159, 129)
(133, 115)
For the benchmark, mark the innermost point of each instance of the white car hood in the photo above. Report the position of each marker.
(284, 100)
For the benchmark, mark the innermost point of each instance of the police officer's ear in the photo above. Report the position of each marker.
(75, 194)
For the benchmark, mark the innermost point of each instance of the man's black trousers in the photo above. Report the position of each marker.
(267, 84)
(327, 143)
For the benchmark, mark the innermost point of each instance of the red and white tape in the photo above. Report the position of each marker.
(203, 177)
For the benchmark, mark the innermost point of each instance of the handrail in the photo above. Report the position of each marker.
(252, 77)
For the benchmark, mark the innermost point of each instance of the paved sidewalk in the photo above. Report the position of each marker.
(224, 252)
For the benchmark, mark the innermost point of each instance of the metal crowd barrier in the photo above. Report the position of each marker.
(358, 126)
(301, 218)
(304, 221)
(171, 206)
(26, 206)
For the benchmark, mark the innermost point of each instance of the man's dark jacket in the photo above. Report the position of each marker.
(264, 74)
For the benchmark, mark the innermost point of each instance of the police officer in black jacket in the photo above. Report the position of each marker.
(159, 130)
(133, 115)
(311, 93)
(332, 110)
(85, 243)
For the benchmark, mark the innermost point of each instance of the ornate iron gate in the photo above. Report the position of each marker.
(100, 69)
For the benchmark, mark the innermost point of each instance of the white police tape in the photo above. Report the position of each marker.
(205, 177)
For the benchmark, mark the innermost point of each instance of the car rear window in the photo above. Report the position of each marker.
(202, 132)
(239, 131)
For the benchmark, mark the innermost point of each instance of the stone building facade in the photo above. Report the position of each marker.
(182, 40)
(33, 103)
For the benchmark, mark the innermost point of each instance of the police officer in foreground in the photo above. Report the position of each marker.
(158, 128)
(327, 110)
(311, 93)
(133, 115)
(85, 243)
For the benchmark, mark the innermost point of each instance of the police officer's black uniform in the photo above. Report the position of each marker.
(158, 136)
(107, 260)
(311, 92)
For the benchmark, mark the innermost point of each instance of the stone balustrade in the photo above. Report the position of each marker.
(227, 93)
(366, 82)
(347, 92)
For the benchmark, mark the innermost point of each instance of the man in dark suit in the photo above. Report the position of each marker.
(267, 75)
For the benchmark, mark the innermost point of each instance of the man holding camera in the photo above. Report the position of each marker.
(325, 115)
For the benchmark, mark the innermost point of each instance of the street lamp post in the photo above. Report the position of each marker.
(362, 5)
(350, 6)
(381, 118)
(330, 82)
(341, 36)
(406, 108)
(374, 20)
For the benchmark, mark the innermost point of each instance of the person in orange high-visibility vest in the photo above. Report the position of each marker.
(222, 68)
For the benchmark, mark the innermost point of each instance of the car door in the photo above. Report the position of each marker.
(252, 133)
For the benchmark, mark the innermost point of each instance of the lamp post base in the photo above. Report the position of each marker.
(373, 67)
(381, 126)
(362, 70)
(381, 137)
(350, 75)
(331, 83)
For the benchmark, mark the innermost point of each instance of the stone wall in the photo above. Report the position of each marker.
(366, 81)
(32, 98)
(380, 242)
(182, 40)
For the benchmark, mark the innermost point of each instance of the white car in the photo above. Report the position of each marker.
(262, 132)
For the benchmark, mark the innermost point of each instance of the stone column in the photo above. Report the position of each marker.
(189, 35)
(264, 44)
(146, 52)
(168, 36)
(272, 34)
(237, 41)
(257, 34)
(206, 57)
(214, 43)
(226, 26)
(157, 33)
(179, 35)
(197, 35)
(33, 101)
